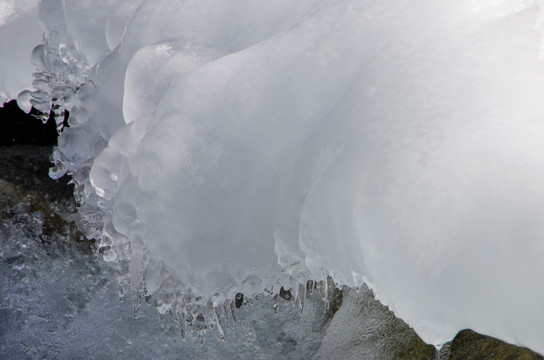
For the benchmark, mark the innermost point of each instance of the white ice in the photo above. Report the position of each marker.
(396, 144)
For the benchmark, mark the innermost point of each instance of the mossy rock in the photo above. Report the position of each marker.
(363, 328)
(13, 197)
(469, 345)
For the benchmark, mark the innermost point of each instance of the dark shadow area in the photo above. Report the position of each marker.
(20, 128)
(25, 147)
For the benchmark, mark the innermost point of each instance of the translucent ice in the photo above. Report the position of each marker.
(19, 33)
(216, 143)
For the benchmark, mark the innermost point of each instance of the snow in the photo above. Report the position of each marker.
(235, 146)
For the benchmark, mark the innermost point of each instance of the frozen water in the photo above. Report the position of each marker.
(19, 33)
(235, 146)
(56, 301)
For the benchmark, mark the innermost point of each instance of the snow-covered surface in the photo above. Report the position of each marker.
(235, 146)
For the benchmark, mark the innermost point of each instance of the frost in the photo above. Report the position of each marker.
(226, 147)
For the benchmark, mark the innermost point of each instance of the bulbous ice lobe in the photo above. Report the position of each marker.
(396, 144)
(364, 143)
(433, 197)
(164, 85)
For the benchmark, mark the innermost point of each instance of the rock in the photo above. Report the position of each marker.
(469, 345)
(28, 166)
(363, 328)
(16, 199)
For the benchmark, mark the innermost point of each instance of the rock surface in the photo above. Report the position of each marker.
(365, 329)
(469, 345)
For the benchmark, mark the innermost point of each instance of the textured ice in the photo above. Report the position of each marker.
(235, 146)
(58, 301)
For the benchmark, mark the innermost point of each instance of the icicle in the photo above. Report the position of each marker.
(174, 313)
(301, 296)
(192, 322)
(232, 314)
(183, 325)
(218, 321)
(226, 311)
(323, 287)
(136, 302)
(161, 320)
(201, 326)
(276, 304)
(294, 291)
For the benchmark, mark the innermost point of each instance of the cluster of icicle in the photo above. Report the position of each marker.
(196, 315)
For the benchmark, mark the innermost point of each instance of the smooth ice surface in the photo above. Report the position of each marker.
(214, 143)
(19, 33)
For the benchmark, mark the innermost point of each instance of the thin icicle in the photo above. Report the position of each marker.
(183, 325)
(161, 320)
(301, 296)
(232, 314)
(220, 327)
(323, 287)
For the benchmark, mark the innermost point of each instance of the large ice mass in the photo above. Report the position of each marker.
(238, 146)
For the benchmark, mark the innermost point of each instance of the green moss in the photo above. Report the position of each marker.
(414, 348)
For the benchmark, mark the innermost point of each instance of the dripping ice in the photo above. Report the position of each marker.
(245, 146)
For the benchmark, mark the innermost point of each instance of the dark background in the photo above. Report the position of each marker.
(19, 128)
(25, 147)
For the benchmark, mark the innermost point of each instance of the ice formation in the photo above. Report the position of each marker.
(19, 33)
(235, 146)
